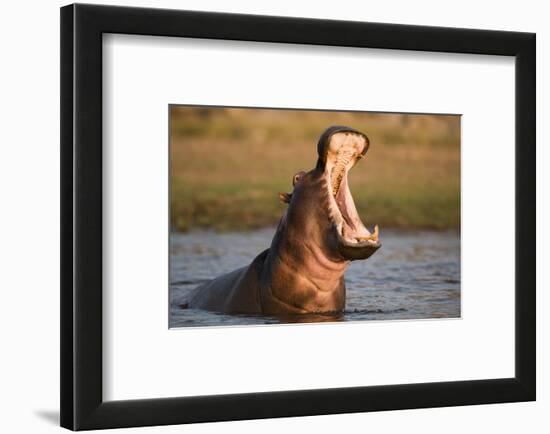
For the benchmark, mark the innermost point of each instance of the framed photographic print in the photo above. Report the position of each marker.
(268, 217)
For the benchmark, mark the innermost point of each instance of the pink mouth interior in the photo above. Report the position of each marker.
(343, 156)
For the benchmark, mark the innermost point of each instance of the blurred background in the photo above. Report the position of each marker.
(228, 165)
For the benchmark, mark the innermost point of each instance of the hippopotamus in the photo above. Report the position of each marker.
(316, 239)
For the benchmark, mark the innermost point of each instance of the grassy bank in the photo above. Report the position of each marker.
(227, 166)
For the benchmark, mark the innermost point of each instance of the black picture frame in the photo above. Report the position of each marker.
(82, 405)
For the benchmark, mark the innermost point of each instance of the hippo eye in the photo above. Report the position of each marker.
(296, 178)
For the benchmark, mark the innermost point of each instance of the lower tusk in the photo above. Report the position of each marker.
(373, 236)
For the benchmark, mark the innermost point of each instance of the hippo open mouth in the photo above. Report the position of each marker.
(339, 151)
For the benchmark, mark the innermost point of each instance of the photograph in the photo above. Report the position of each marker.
(282, 216)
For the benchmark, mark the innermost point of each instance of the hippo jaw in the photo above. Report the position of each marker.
(340, 149)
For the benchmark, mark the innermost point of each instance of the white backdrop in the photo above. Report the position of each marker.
(29, 224)
(143, 359)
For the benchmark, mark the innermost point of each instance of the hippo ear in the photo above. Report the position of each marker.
(285, 197)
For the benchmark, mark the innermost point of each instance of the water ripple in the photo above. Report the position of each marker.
(413, 276)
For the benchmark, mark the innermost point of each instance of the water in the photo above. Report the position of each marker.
(413, 275)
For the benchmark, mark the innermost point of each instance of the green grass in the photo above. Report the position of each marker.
(228, 165)
(230, 206)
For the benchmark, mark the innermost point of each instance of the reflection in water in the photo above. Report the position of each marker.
(413, 275)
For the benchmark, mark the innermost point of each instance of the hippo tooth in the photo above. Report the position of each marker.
(373, 236)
